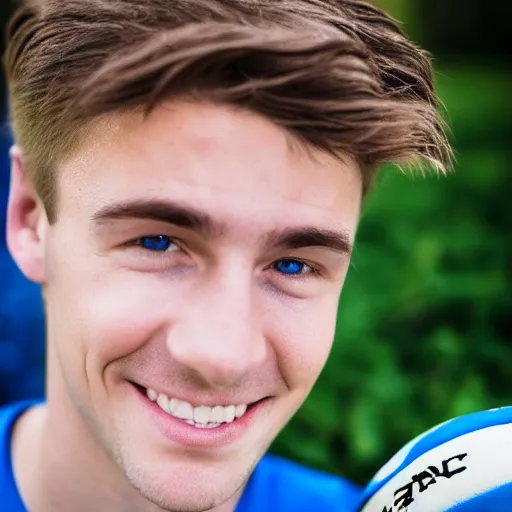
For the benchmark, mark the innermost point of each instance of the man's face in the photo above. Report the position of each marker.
(198, 253)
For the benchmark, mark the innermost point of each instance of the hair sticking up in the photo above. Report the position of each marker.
(339, 75)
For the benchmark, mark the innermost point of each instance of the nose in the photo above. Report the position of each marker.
(219, 336)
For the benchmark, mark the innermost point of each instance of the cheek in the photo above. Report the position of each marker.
(105, 314)
(118, 318)
(302, 337)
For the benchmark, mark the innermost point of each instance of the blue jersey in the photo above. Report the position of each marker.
(276, 484)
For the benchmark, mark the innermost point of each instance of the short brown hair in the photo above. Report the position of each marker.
(338, 74)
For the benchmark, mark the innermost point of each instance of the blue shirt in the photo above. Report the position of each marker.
(276, 485)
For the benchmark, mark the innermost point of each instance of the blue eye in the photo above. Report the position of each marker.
(291, 267)
(158, 243)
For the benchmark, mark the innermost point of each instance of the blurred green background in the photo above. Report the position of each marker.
(424, 328)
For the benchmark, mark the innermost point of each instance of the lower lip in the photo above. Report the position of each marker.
(187, 435)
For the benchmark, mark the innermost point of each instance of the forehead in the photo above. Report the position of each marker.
(241, 165)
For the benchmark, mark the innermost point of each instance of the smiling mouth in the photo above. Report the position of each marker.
(201, 417)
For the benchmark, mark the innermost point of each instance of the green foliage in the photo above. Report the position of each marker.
(424, 324)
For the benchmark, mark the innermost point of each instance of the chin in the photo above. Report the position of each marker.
(199, 503)
(188, 486)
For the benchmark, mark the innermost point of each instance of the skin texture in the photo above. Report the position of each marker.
(210, 321)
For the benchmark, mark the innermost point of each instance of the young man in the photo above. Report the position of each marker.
(186, 187)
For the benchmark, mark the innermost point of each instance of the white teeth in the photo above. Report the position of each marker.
(184, 411)
(202, 425)
(217, 414)
(173, 405)
(240, 410)
(211, 425)
(163, 402)
(229, 413)
(201, 416)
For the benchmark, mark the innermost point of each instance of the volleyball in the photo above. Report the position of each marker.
(462, 465)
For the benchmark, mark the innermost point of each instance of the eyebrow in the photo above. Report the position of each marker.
(297, 238)
(190, 218)
(163, 211)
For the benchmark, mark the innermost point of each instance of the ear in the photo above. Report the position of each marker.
(26, 222)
